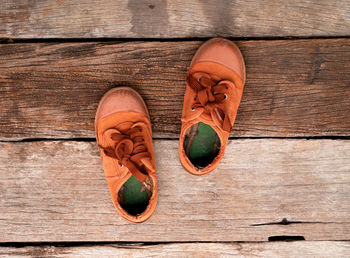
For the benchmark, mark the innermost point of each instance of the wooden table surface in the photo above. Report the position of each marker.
(286, 172)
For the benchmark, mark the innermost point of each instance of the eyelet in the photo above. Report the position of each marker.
(199, 79)
(121, 165)
(225, 96)
(193, 109)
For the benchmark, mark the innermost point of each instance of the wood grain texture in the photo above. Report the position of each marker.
(56, 191)
(173, 19)
(293, 88)
(280, 249)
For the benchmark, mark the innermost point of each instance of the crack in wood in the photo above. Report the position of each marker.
(287, 248)
(286, 238)
(89, 139)
(286, 222)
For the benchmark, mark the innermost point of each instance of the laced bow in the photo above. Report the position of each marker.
(210, 98)
(128, 147)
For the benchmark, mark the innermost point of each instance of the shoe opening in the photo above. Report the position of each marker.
(201, 144)
(134, 196)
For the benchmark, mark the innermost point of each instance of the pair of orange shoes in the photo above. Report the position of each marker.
(214, 89)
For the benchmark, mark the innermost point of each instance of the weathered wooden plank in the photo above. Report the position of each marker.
(173, 19)
(294, 87)
(56, 191)
(278, 249)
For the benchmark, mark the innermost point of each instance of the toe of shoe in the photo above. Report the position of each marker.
(221, 51)
(119, 100)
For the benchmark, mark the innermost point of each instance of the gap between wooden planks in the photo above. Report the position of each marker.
(173, 19)
(56, 191)
(279, 249)
(295, 88)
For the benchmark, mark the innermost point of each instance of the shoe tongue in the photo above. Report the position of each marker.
(125, 126)
(148, 165)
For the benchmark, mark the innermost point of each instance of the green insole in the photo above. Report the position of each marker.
(135, 201)
(202, 146)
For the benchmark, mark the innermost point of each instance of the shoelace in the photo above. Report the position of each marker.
(129, 148)
(210, 97)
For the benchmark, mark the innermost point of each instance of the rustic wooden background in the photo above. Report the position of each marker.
(286, 172)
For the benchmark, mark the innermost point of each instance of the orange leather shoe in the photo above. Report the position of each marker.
(124, 136)
(214, 89)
